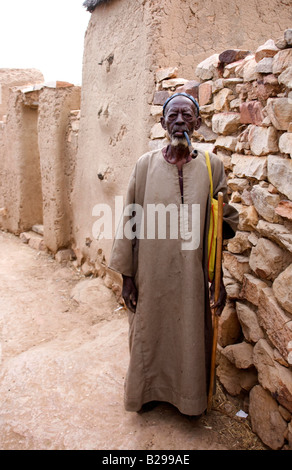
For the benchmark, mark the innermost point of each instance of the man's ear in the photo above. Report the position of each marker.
(162, 122)
(198, 123)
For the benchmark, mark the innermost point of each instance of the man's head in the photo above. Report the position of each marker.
(180, 114)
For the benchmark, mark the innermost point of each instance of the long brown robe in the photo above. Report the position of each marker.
(170, 334)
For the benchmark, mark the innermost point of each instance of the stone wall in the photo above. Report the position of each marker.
(246, 105)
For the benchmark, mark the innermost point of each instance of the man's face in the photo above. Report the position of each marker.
(180, 116)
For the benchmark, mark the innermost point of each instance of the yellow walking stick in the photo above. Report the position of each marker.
(217, 291)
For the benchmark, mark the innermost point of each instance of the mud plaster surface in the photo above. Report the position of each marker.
(64, 355)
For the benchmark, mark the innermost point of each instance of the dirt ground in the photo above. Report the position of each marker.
(64, 355)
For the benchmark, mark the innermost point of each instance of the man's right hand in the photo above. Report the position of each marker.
(130, 293)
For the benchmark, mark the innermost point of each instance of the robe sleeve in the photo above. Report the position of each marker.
(121, 259)
(230, 214)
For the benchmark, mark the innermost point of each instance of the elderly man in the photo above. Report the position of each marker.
(165, 275)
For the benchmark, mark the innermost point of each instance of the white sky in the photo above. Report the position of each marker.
(44, 34)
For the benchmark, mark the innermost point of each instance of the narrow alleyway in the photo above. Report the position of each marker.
(64, 353)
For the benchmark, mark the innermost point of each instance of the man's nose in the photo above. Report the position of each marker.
(179, 118)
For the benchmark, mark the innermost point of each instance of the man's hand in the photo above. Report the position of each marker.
(220, 304)
(130, 293)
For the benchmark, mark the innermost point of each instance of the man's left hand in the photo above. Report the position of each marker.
(220, 304)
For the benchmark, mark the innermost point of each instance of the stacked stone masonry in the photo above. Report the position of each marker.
(246, 104)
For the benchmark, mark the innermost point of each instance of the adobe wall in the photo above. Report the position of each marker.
(15, 77)
(37, 162)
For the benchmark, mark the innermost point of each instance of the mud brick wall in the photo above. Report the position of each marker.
(246, 105)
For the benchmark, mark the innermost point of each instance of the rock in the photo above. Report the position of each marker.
(279, 110)
(205, 93)
(173, 82)
(162, 74)
(160, 97)
(288, 36)
(286, 77)
(269, 49)
(157, 131)
(248, 217)
(233, 379)
(207, 69)
(64, 255)
(191, 87)
(227, 142)
(276, 232)
(275, 322)
(265, 65)
(251, 288)
(272, 376)
(249, 323)
(249, 70)
(267, 259)
(282, 60)
(265, 203)
(232, 55)
(250, 167)
(237, 265)
(229, 330)
(284, 209)
(251, 113)
(280, 174)
(240, 354)
(263, 140)
(282, 289)
(285, 143)
(237, 184)
(240, 243)
(266, 420)
(221, 100)
(225, 123)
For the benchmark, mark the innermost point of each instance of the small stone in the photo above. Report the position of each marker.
(157, 131)
(251, 112)
(225, 123)
(275, 321)
(285, 143)
(288, 36)
(265, 65)
(191, 87)
(163, 74)
(207, 69)
(221, 99)
(205, 93)
(232, 55)
(282, 60)
(265, 203)
(173, 82)
(279, 111)
(251, 288)
(249, 166)
(267, 259)
(160, 97)
(249, 322)
(266, 420)
(286, 77)
(269, 49)
(282, 289)
(263, 140)
(284, 209)
(240, 354)
(280, 174)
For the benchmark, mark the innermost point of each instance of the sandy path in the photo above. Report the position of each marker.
(64, 354)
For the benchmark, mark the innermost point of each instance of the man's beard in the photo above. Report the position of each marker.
(177, 141)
